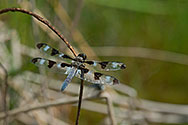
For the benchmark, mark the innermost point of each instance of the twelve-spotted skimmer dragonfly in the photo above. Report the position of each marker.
(77, 66)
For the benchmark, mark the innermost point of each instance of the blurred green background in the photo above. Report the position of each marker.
(150, 24)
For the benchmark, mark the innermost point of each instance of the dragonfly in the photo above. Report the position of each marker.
(77, 66)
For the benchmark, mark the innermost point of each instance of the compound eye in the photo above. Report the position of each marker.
(82, 55)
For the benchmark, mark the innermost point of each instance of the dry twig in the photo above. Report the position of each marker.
(77, 15)
(4, 93)
(45, 105)
(140, 52)
(111, 110)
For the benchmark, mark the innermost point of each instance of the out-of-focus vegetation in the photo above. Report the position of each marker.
(157, 25)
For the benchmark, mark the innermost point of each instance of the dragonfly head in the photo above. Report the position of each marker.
(82, 56)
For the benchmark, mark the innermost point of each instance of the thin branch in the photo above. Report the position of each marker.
(111, 111)
(140, 52)
(45, 105)
(110, 108)
(80, 98)
(77, 15)
(39, 18)
(118, 99)
(4, 94)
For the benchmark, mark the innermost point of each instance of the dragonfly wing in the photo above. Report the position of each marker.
(68, 79)
(52, 65)
(107, 65)
(96, 77)
(45, 48)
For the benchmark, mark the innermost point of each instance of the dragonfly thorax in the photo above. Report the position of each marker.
(76, 63)
(81, 57)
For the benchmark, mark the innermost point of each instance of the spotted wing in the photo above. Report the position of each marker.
(90, 76)
(107, 66)
(51, 51)
(96, 77)
(52, 65)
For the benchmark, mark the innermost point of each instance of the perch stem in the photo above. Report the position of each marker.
(80, 98)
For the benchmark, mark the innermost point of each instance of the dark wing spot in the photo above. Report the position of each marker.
(67, 57)
(39, 45)
(89, 62)
(35, 60)
(97, 75)
(54, 52)
(103, 64)
(82, 68)
(85, 70)
(123, 66)
(115, 81)
(51, 63)
(65, 64)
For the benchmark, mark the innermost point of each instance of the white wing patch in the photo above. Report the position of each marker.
(94, 64)
(46, 48)
(61, 55)
(114, 64)
(42, 61)
(107, 78)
